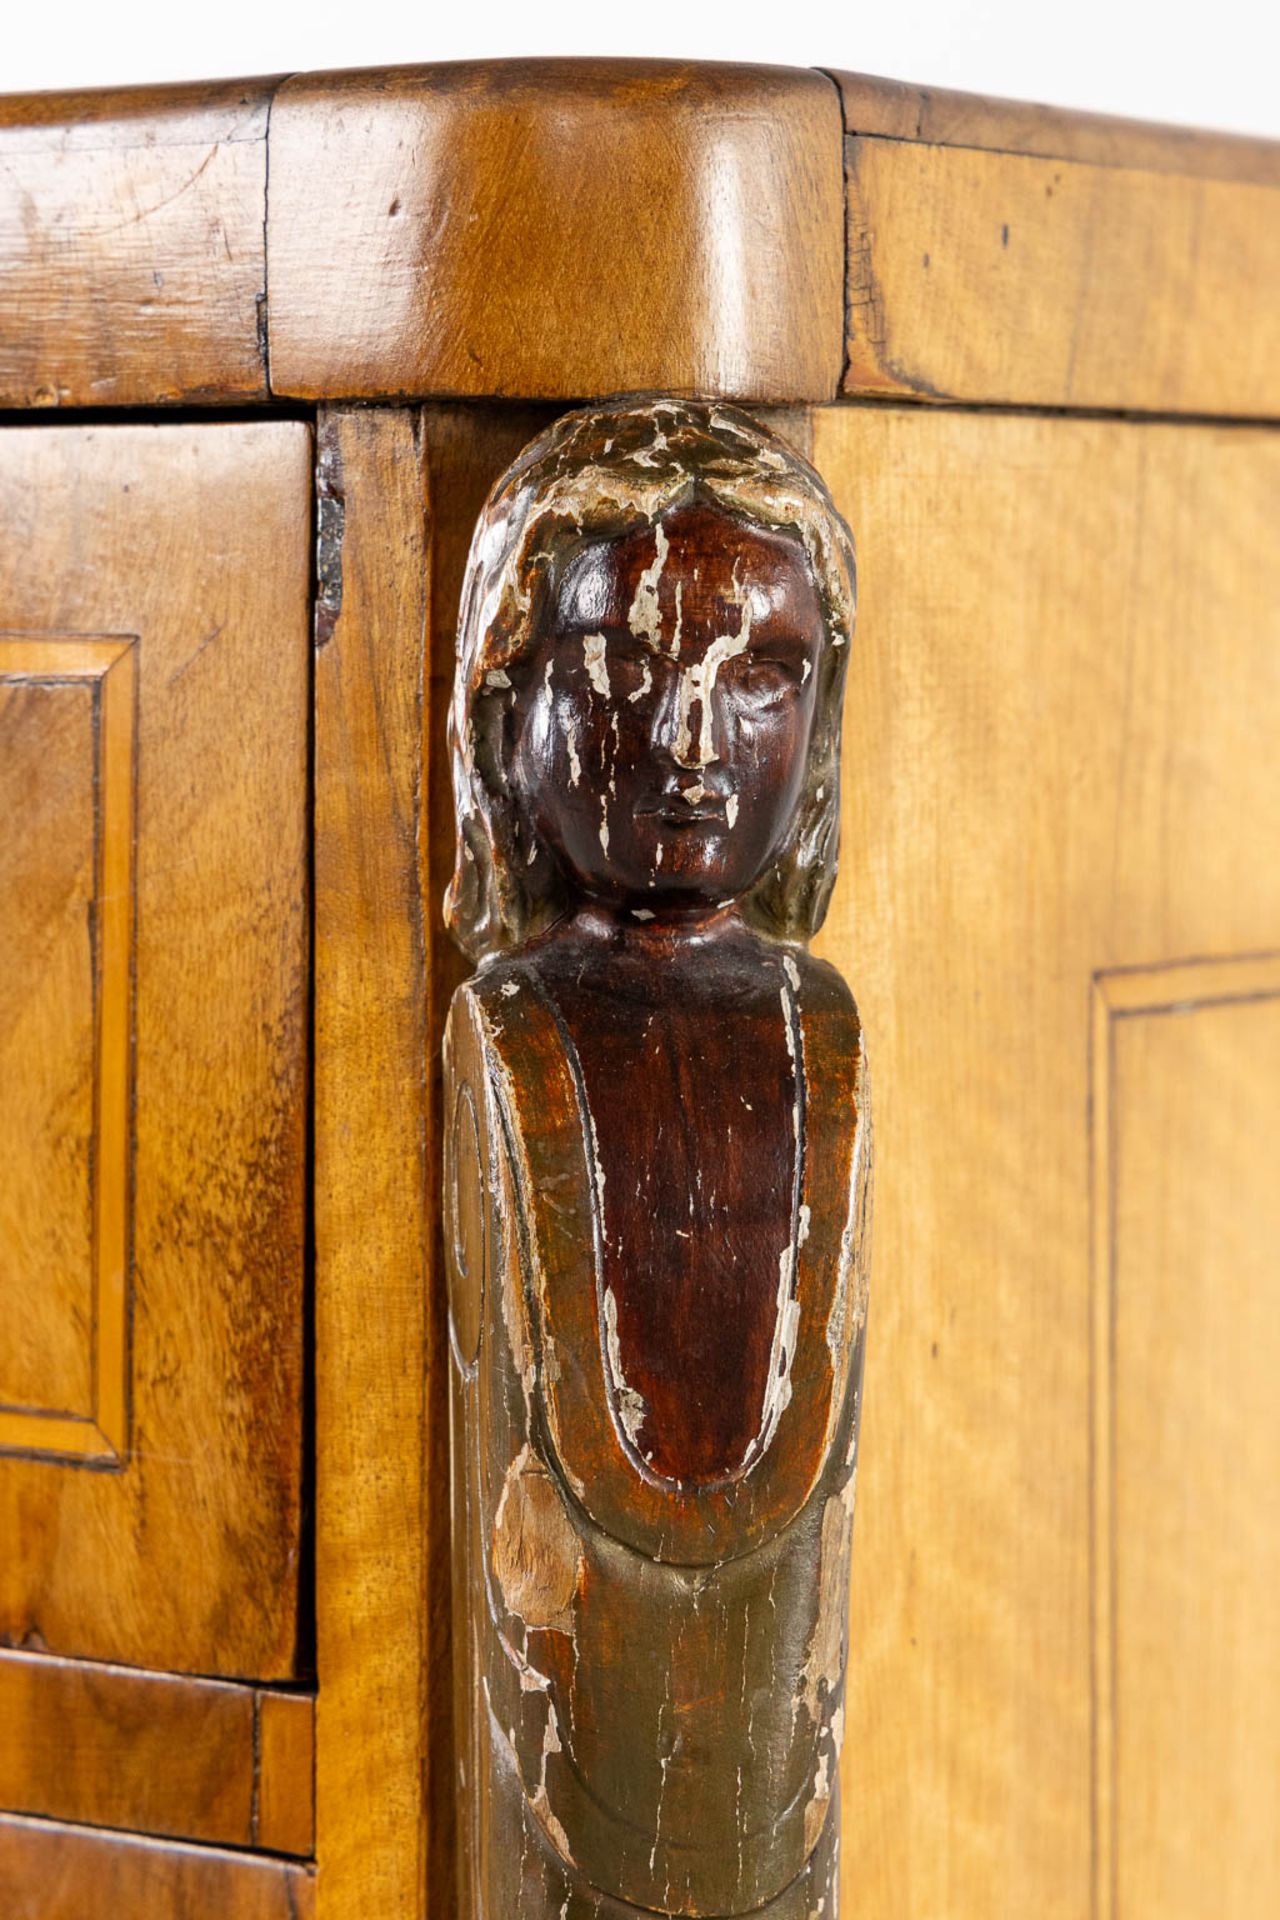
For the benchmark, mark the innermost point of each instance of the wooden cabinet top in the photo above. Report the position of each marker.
(563, 228)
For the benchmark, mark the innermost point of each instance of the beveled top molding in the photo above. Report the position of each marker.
(567, 229)
(557, 228)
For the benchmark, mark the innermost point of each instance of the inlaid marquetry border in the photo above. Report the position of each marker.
(109, 665)
(1178, 987)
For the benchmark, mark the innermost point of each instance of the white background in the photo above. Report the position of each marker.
(1215, 63)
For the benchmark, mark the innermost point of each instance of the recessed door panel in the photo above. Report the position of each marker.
(153, 1032)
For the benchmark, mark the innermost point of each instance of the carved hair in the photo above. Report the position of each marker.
(600, 474)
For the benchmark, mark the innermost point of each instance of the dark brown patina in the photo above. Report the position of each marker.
(657, 1418)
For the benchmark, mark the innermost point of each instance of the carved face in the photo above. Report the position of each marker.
(663, 717)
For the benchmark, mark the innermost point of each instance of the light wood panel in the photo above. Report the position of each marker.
(556, 228)
(156, 1753)
(187, 915)
(1186, 1098)
(1059, 761)
(52, 1872)
(373, 1170)
(132, 246)
(996, 277)
(938, 117)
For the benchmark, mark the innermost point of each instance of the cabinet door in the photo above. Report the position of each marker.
(153, 1041)
(1059, 903)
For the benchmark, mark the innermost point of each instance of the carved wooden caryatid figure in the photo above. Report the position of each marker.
(658, 1152)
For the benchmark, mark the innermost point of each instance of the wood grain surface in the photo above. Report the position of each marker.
(191, 544)
(997, 277)
(561, 228)
(53, 1872)
(156, 1753)
(374, 1172)
(399, 493)
(284, 1820)
(132, 246)
(554, 228)
(68, 716)
(1059, 761)
(48, 880)
(1186, 1100)
(938, 117)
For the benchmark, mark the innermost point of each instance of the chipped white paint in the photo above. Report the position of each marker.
(641, 913)
(664, 1761)
(646, 683)
(643, 617)
(824, 1664)
(849, 1298)
(791, 970)
(509, 989)
(731, 809)
(598, 1171)
(806, 1217)
(696, 687)
(593, 652)
(693, 794)
(571, 748)
(496, 678)
(822, 1779)
(630, 1405)
(538, 1801)
(786, 1325)
(531, 1680)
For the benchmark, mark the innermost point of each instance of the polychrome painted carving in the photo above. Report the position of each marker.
(657, 1183)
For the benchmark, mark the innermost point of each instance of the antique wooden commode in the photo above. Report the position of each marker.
(449, 805)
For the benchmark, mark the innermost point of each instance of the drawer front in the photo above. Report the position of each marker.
(153, 1041)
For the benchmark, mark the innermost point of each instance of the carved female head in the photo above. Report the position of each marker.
(651, 657)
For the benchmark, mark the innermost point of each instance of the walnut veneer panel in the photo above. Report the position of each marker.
(48, 882)
(67, 717)
(132, 246)
(1059, 760)
(153, 1033)
(156, 1753)
(555, 228)
(996, 277)
(51, 1872)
